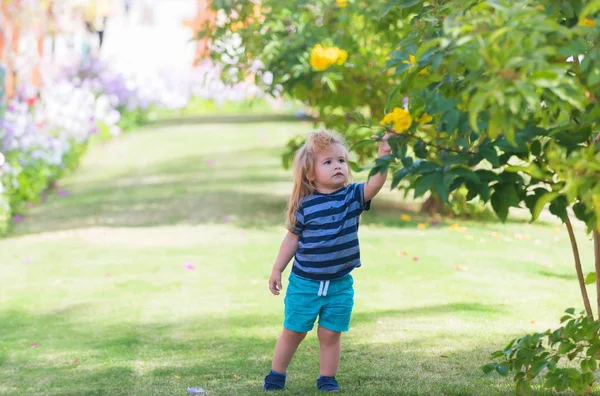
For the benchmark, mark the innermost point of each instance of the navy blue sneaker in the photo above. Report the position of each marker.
(327, 384)
(274, 381)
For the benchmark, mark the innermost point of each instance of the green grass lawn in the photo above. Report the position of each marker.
(95, 297)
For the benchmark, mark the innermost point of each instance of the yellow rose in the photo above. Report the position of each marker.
(321, 58)
(342, 3)
(587, 22)
(399, 118)
(342, 56)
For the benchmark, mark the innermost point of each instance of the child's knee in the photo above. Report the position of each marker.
(297, 335)
(328, 336)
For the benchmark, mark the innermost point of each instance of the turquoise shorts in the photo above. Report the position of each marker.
(331, 301)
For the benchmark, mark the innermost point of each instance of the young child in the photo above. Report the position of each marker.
(322, 221)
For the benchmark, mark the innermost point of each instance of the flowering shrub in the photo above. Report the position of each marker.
(43, 134)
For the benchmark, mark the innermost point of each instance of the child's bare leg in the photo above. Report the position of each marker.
(285, 348)
(330, 351)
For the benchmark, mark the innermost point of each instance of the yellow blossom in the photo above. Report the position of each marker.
(399, 118)
(342, 3)
(424, 119)
(411, 62)
(421, 226)
(587, 22)
(405, 217)
(321, 58)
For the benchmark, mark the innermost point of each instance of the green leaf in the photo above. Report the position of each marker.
(536, 148)
(467, 174)
(541, 202)
(420, 149)
(476, 104)
(488, 368)
(425, 183)
(590, 278)
(558, 208)
(489, 153)
(505, 195)
(408, 3)
(398, 176)
(537, 366)
(386, 8)
(394, 100)
(591, 7)
(565, 347)
(502, 369)
(358, 117)
(545, 79)
(361, 143)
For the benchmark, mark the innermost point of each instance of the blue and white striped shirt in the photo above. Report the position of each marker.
(328, 228)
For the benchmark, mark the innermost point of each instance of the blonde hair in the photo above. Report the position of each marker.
(304, 167)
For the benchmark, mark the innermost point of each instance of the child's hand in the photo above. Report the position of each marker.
(275, 282)
(384, 146)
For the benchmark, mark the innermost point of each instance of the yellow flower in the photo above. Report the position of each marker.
(587, 22)
(343, 55)
(421, 226)
(405, 217)
(424, 119)
(342, 3)
(399, 118)
(321, 58)
(411, 62)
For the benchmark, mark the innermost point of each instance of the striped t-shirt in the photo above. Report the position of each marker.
(328, 228)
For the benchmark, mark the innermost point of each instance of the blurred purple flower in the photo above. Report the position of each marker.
(18, 218)
(63, 193)
(189, 267)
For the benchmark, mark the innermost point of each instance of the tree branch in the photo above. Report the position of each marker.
(584, 295)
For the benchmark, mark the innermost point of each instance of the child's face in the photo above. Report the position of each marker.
(331, 168)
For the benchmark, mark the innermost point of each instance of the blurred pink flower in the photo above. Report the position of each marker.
(35, 345)
(107, 275)
(226, 219)
(210, 163)
(27, 260)
(189, 267)
(18, 218)
(416, 258)
(63, 193)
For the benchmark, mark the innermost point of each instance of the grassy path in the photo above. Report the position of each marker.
(147, 274)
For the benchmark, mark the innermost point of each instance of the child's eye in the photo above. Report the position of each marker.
(342, 161)
(327, 162)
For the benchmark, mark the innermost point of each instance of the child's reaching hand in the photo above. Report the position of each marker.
(384, 146)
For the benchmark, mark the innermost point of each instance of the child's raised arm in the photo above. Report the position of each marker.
(286, 252)
(376, 182)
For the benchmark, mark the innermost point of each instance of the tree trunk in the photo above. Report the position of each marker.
(580, 278)
(432, 205)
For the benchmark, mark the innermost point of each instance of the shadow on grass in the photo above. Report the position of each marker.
(230, 354)
(239, 187)
(564, 276)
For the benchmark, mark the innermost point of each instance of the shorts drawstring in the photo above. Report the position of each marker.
(323, 288)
